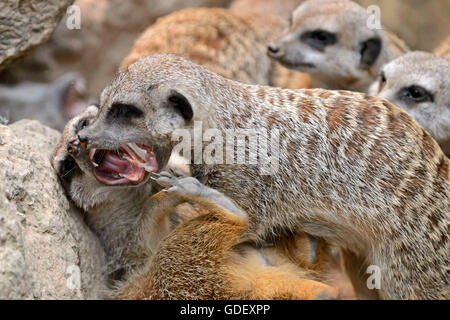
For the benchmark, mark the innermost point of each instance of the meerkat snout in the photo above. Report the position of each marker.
(274, 51)
(330, 40)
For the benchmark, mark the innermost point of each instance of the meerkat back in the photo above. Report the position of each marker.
(230, 43)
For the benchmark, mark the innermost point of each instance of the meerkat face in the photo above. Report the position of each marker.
(329, 38)
(144, 106)
(418, 82)
(78, 169)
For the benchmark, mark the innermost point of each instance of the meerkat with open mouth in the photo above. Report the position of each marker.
(352, 169)
(160, 247)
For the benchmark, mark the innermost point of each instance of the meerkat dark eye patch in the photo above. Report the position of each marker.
(123, 112)
(415, 94)
(319, 39)
(370, 51)
(180, 103)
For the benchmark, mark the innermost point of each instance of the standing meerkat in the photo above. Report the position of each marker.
(443, 50)
(352, 168)
(201, 258)
(331, 40)
(229, 43)
(419, 83)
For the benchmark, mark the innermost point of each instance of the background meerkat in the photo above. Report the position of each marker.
(419, 83)
(230, 43)
(353, 169)
(443, 50)
(281, 8)
(132, 221)
(331, 41)
(50, 103)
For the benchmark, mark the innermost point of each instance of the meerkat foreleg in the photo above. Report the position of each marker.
(190, 189)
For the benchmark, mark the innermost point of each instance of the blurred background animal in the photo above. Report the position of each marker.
(53, 104)
(230, 43)
(331, 41)
(419, 83)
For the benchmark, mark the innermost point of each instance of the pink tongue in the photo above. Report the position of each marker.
(112, 163)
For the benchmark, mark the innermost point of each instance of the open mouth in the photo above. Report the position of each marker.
(129, 164)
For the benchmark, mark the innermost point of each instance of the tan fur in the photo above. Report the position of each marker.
(281, 8)
(353, 169)
(232, 44)
(443, 50)
(197, 259)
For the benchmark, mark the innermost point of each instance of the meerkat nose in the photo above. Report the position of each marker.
(74, 147)
(273, 49)
(83, 141)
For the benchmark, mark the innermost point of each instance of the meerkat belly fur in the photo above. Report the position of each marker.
(353, 169)
(202, 258)
(232, 44)
(332, 41)
(419, 83)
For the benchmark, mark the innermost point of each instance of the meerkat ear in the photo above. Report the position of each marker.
(370, 51)
(180, 103)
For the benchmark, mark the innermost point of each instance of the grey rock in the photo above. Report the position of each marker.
(25, 24)
(45, 247)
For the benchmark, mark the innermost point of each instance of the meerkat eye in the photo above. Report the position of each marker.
(383, 81)
(123, 111)
(82, 124)
(383, 77)
(416, 94)
(319, 39)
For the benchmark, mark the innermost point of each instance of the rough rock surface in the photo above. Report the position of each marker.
(25, 24)
(44, 243)
(107, 31)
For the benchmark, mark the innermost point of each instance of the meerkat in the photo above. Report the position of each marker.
(197, 260)
(332, 42)
(350, 168)
(53, 104)
(418, 82)
(443, 50)
(230, 43)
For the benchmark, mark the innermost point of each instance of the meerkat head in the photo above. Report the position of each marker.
(418, 82)
(93, 177)
(146, 104)
(330, 40)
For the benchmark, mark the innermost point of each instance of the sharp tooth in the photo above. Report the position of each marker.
(141, 153)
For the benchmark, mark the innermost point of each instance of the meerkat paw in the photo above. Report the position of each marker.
(177, 182)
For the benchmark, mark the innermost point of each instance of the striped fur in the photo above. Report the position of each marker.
(354, 169)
